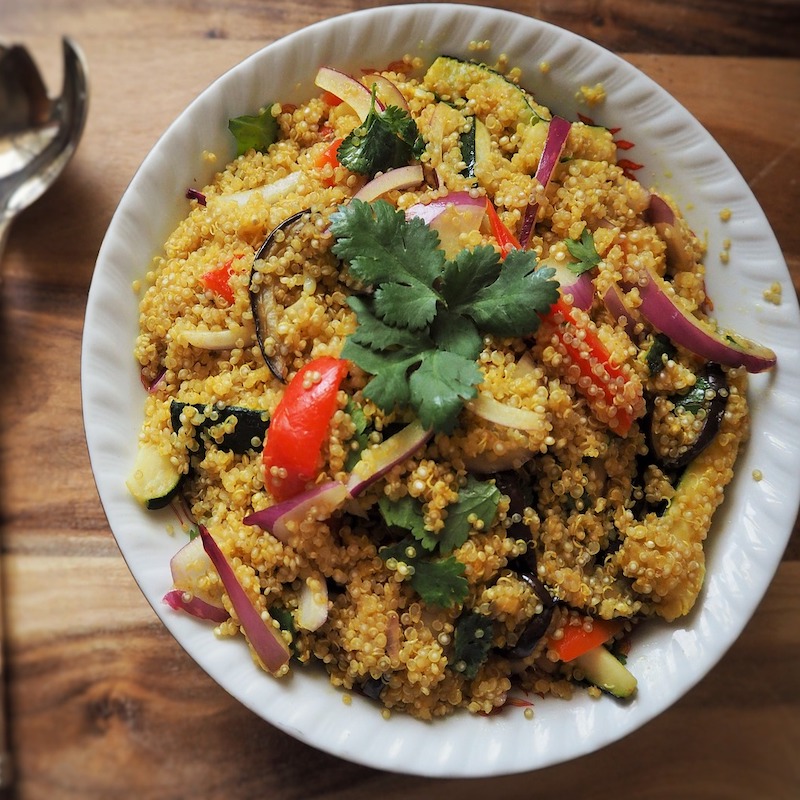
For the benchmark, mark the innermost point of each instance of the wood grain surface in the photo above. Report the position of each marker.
(103, 702)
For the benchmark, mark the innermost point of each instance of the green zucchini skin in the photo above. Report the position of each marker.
(248, 434)
(155, 481)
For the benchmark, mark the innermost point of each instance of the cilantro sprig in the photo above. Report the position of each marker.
(434, 572)
(385, 140)
(256, 132)
(421, 326)
(584, 252)
(472, 641)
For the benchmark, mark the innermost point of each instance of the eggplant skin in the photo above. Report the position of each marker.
(262, 302)
(711, 377)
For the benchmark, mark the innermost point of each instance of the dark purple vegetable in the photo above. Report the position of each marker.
(262, 300)
(709, 396)
(196, 194)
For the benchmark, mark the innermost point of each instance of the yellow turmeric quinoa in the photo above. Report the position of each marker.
(567, 498)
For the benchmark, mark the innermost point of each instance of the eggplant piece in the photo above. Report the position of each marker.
(251, 424)
(262, 300)
(539, 624)
(711, 381)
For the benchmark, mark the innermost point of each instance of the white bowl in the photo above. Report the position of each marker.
(750, 530)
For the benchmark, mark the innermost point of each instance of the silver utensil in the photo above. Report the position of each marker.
(38, 135)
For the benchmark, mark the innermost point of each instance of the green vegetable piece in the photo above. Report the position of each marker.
(406, 513)
(584, 253)
(695, 398)
(476, 506)
(385, 140)
(439, 582)
(254, 132)
(472, 641)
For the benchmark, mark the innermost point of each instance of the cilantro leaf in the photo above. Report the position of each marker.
(440, 582)
(439, 387)
(361, 436)
(583, 250)
(385, 140)
(378, 335)
(472, 641)
(401, 257)
(661, 347)
(456, 334)
(477, 501)
(510, 305)
(406, 513)
(254, 132)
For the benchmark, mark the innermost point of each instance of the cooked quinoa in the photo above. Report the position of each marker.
(602, 501)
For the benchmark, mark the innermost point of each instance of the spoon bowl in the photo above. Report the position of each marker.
(38, 135)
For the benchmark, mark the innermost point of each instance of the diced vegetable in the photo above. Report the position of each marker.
(571, 641)
(505, 238)
(262, 301)
(453, 78)
(247, 425)
(606, 671)
(300, 426)
(399, 178)
(329, 158)
(155, 478)
(219, 281)
(606, 380)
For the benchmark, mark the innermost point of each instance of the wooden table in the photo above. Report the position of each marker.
(103, 702)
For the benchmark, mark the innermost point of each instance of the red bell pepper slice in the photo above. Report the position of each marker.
(219, 280)
(575, 640)
(505, 238)
(329, 157)
(586, 351)
(300, 425)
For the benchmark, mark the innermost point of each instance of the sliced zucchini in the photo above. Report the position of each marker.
(606, 671)
(452, 77)
(247, 434)
(476, 145)
(155, 480)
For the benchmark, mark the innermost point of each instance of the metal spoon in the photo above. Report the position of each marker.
(38, 135)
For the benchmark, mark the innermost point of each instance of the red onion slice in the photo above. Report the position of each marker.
(614, 300)
(557, 135)
(451, 216)
(192, 604)
(386, 91)
(661, 216)
(348, 89)
(283, 518)
(375, 462)
(659, 307)
(400, 178)
(264, 638)
(322, 500)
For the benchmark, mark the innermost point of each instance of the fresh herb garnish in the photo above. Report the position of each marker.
(254, 132)
(695, 398)
(472, 641)
(361, 434)
(584, 251)
(421, 329)
(660, 350)
(439, 580)
(385, 140)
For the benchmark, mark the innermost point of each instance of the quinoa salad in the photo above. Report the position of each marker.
(435, 392)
